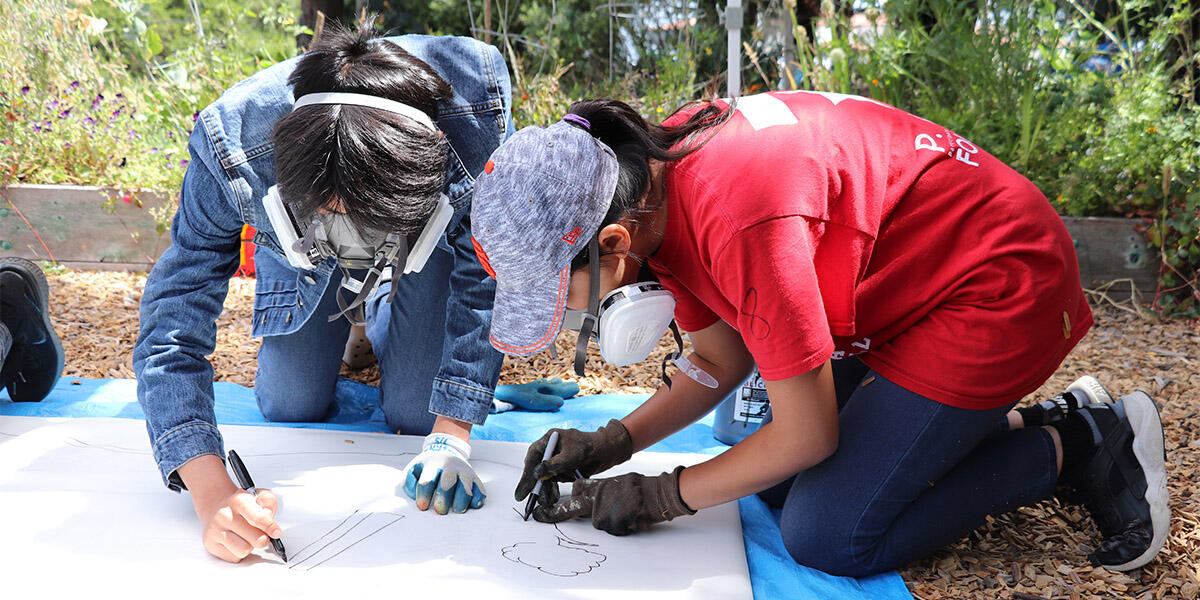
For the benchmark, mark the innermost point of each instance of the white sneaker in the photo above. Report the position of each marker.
(1091, 388)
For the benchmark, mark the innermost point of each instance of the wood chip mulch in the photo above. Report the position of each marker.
(1037, 552)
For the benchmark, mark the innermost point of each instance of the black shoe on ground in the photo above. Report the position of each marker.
(1123, 484)
(35, 360)
(1082, 392)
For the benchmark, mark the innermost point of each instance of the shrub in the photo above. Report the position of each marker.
(105, 93)
(1104, 123)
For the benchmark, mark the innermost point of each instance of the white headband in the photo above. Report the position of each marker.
(369, 101)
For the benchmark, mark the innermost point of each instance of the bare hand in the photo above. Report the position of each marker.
(235, 522)
(238, 523)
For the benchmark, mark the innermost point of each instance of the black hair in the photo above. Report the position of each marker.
(635, 141)
(385, 169)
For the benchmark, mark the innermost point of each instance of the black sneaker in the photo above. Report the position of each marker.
(35, 360)
(1082, 392)
(1123, 485)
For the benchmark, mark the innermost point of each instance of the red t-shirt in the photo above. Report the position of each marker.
(823, 226)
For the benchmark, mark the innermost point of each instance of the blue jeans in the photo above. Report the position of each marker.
(298, 372)
(910, 476)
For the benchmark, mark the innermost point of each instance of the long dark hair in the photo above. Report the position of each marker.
(635, 141)
(385, 169)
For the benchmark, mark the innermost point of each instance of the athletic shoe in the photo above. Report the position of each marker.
(1084, 391)
(1091, 389)
(35, 360)
(1123, 484)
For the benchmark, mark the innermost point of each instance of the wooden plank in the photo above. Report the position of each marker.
(1111, 249)
(82, 234)
(77, 228)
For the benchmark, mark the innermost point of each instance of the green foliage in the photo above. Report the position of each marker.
(1104, 123)
(661, 53)
(104, 92)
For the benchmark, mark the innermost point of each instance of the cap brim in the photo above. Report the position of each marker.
(528, 320)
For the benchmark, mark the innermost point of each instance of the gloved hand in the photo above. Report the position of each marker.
(543, 395)
(588, 453)
(620, 505)
(441, 475)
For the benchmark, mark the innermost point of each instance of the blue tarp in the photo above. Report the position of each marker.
(772, 572)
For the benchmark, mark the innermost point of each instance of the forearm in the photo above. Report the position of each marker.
(454, 427)
(684, 403)
(719, 351)
(466, 379)
(765, 458)
(207, 481)
(802, 433)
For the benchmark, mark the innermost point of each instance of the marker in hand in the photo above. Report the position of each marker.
(243, 477)
(537, 487)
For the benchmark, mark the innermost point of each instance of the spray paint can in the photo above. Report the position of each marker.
(741, 413)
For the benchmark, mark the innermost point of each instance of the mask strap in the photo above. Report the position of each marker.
(673, 355)
(591, 318)
(385, 257)
(685, 366)
(306, 243)
(359, 317)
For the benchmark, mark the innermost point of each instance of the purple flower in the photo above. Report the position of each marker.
(74, 85)
(117, 112)
(64, 114)
(53, 103)
(24, 90)
(154, 151)
(37, 127)
(183, 163)
(170, 135)
(89, 121)
(66, 144)
(120, 96)
(195, 115)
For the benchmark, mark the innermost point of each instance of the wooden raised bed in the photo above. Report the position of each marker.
(78, 230)
(1113, 249)
(82, 234)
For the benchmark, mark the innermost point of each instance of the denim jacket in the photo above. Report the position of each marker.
(232, 166)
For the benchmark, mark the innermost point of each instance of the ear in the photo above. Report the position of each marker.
(615, 239)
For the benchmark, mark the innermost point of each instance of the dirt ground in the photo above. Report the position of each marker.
(1036, 552)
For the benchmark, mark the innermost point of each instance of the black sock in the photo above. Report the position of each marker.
(1050, 411)
(1077, 440)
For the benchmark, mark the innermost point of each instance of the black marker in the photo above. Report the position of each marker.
(243, 477)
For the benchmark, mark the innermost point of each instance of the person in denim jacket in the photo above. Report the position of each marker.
(384, 171)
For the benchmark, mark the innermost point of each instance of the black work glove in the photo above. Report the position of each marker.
(588, 453)
(620, 505)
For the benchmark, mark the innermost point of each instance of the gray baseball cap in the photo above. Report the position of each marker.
(541, 197)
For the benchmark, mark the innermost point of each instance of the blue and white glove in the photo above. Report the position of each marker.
(440, 475)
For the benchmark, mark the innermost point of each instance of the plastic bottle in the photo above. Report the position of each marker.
(741, 413)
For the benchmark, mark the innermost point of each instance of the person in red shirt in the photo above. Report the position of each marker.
(898, 288)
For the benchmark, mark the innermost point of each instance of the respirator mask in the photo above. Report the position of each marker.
(325, 236)
(627, 324)
(310, 242)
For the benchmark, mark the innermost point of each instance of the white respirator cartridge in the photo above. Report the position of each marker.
(632, 319)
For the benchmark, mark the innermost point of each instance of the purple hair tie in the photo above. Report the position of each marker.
(577, 120)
